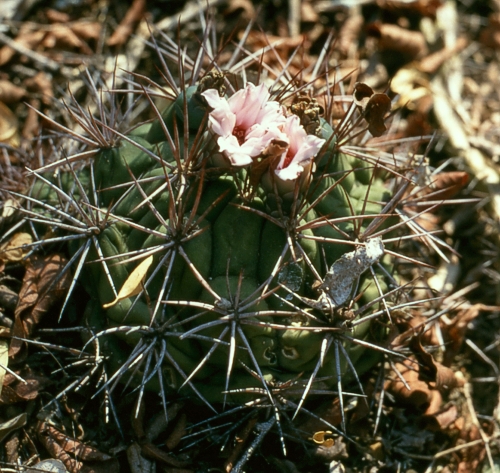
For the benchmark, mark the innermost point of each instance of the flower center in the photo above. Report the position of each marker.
(288, 159)
(240, 134)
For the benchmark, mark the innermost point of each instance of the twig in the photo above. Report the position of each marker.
(485, 438)
(294, 17)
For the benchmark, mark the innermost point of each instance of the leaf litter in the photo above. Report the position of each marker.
(419, 388)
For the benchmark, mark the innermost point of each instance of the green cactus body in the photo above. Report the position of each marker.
(233, 283)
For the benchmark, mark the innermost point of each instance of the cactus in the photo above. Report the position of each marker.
(234, 249)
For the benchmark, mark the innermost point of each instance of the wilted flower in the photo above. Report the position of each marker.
(245, 122)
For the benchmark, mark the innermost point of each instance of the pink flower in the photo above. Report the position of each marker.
(245, 123)
(300, 152)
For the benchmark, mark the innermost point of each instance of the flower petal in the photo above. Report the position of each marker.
(301, 151)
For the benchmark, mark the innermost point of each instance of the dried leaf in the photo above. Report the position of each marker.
(14, 250)
(56, 16)
(419, 394)
(87, 30)
(43, 285)
(126, 26)
(446, 185)
(441, 420)
(133, 285)
(8, 126)
(457, 327)
(62, 35)
(8, 298)
(394, 38)
(17, 391)
(73, 453)
(442, 377)
(26, 37)
(51, 465)
(42, 85)
(10, 207)
(10, 93)
(373, 106)
(138, 463)
(155, 453)
(16, 423)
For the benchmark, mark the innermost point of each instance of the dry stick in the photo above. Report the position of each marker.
(294, 17)
(485, 438)
(457, 448)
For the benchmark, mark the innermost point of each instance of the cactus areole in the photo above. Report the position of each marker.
(233, 247)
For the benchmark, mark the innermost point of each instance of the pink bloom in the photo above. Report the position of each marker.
(301, 150)
(245, 123)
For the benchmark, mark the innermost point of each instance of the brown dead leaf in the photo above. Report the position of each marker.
(42, 286)
(10, 93)
(62, 35)
(425, 377)
(394, 38)
(180, 429)
(440, 420)
(11, 447)
(41, 84)
(9, 125)
(446, 185)
(155, 453)
(419, 395)
(27, 37)
(455, 330)
(441, 187)
(373, 106)
(8, 297)
(440, 376)
(15, 391)
(56, 16)
(127, 25)
(244, 10)
(76, 456)
(87, 30)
